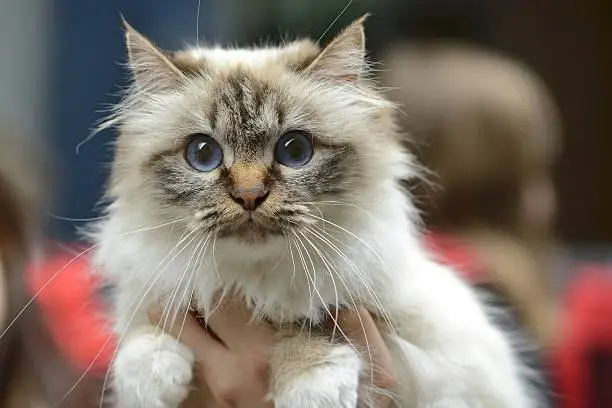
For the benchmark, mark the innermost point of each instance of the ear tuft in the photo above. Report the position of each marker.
(344, 57)
(150, 66)
(124, 23)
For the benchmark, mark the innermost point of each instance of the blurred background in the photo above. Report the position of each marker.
(454, 65)
(61, 67)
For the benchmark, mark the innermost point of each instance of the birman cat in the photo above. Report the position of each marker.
(276, 173)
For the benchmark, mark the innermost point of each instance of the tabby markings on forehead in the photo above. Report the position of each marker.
(243, 99)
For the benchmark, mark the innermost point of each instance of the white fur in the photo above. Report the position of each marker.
(447, 353)
(232, 57)
(153, 370)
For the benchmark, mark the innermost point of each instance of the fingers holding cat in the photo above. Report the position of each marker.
(360, 327)
(233, 323)
(232, 358)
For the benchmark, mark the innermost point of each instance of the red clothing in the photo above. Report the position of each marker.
(583, 358)
(66, 293)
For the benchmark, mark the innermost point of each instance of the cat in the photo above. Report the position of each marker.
(275, 172)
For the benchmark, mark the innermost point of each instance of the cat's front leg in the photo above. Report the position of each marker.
(314, 373)
(152, 370)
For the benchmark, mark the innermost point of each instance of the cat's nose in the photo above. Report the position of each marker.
(250, 197)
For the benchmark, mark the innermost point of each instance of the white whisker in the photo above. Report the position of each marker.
(215, 259)
(59, 217)
(323, 302)
(334, 22)
(361, 240)
(198, 24)
(378, 304)
(309, 281)
(158, 272)
(339, 203)
(352, 299)
(192, 282)
(178, 285)
(155, 275)
(331, 275)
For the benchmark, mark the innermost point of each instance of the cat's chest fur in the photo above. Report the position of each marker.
(286, 279)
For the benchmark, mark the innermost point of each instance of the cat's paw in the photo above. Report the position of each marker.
(333, 384)
(152, 371)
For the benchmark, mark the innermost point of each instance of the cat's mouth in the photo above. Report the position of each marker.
(251, 227)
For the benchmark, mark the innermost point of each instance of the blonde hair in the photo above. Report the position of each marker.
(483, 124)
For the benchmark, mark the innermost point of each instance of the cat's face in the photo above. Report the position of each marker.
(245, 143)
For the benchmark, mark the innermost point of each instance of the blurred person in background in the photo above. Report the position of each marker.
(33, 371)
(488, 130)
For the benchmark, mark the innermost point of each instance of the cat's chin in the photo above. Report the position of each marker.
(250, 232)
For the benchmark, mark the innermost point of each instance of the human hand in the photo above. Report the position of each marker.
(233, 355)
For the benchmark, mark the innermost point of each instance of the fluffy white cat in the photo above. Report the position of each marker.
(276, 172)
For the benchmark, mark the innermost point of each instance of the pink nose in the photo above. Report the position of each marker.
(250, 198)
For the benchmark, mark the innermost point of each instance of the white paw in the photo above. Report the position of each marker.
(152, 371)
(333, 384)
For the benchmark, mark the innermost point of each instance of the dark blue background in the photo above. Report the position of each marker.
(86, 75)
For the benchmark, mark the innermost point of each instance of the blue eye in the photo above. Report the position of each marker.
(203, 153)
(294, 149)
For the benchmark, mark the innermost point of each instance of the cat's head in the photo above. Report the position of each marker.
(246, 142)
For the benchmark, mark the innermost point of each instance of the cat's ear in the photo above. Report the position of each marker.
(344, 58)
(150, 66)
